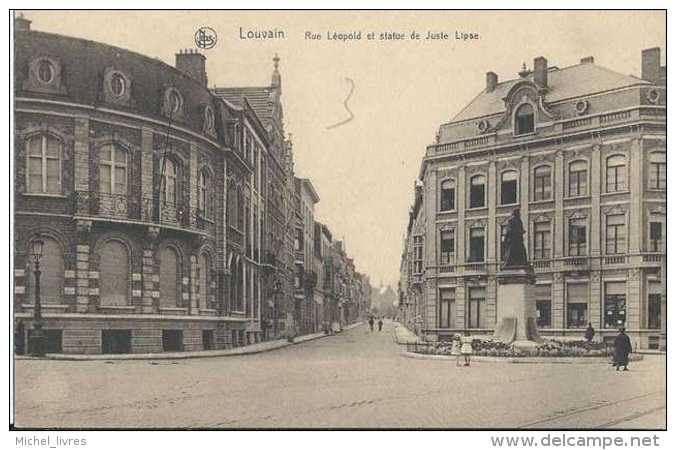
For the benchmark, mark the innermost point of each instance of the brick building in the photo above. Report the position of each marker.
(581, 150)
(163, 205)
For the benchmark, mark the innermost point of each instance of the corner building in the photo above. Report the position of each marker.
(581, 150)
(145, 187)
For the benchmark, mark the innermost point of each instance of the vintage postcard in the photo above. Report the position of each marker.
(339, 220)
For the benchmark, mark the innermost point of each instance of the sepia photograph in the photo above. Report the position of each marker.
(338, 220)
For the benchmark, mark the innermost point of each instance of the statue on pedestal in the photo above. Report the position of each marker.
(513, 251)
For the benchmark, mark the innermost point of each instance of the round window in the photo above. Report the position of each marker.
(653, 96)
(45, 71)
(118, 85)
(174, 101)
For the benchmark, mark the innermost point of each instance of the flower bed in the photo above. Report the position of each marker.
(549, 348)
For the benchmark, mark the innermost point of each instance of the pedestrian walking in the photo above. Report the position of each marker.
(589, 333)
(380, 324)
(455, 349)
(622, 350)
(371, 322)
(466, 348)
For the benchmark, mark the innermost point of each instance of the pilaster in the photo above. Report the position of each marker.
(558, 301)
(84, 298)
(595, 300)
(595, 179)
(460, 230)
(635, 294)
(81, 156)
(491, 237)
(635, 231)
(147, 160)
(460, 303)
(558, 240)
(150, 292)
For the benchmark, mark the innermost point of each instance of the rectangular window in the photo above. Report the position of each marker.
(508, 188)
(615, 235)
(577, 299)
(543, 183)
(658, 175)
(476, 317)
(542, 240)
(476, 245)
(447, 196)
(654, 306)
(543, 305)
(615, 178)
(447, 240)
(477, 192)
(446, 308)
(615, 305)
(577, 182)
(417, 254)
(655, 236)
(577, 237)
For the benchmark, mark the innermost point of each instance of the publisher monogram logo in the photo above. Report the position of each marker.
(205, 38)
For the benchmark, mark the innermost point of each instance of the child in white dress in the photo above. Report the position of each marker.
(455, 349)
(466, 348)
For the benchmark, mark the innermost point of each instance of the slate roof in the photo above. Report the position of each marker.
(258, 97)
(569, 82)
(84, 62)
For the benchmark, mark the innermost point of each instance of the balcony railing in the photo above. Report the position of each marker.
(615, 259)
(123, 206)
(541, 264)
(446, 268)
(475, 267)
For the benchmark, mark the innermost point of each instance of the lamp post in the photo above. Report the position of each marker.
(37, 338)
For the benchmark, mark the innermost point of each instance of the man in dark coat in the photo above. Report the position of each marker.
(589, 333)
(622, 350)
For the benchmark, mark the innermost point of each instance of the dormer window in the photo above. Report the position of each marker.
(118, 85)
(45, 71)
(524, 121)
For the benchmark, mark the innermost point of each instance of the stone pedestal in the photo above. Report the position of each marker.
(516, 312)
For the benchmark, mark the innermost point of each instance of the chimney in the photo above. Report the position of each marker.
(540, 71)
(491, 81)
(650, 64)
(587, 60)
(21, 23)
(193, 64)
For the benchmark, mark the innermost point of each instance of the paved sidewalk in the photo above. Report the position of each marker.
(243, 350)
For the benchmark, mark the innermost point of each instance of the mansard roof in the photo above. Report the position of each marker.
(569, 82)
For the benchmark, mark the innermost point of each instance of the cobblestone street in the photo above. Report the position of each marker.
(354, 379)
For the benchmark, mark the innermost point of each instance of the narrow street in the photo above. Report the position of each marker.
(354, 379)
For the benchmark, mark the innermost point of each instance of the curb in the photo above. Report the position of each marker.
(522, 360)
(237, 351)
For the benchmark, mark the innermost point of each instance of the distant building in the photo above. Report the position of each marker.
(581, 150)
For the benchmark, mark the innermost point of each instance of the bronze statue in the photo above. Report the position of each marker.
(513, 250)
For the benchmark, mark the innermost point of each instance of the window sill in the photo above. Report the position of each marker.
(663, 191)
(605, 194)
(539, 202)
(478, 208)
(522, 135)
(117, 307)
(501, 205)
(172, 309)
(43, 194)
(577, 197)
(447, 211)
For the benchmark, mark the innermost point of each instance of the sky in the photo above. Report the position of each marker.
(365, 169)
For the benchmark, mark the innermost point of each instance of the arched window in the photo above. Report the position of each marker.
(508, 187)
(524, 121)
(113, 169)
(51, 273)
(169, 183)
(236, 286)
(577, 178)
(114, 274)
(169, 278)
(477, 191)
(447, 195)
(616, 172)
(205, 193)
(205, 281)
(658, 170)
(44, 164)
(542, 190)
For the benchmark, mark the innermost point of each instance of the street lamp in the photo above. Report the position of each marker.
(37, 337)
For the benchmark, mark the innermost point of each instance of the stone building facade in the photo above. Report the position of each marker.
(581, 151)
